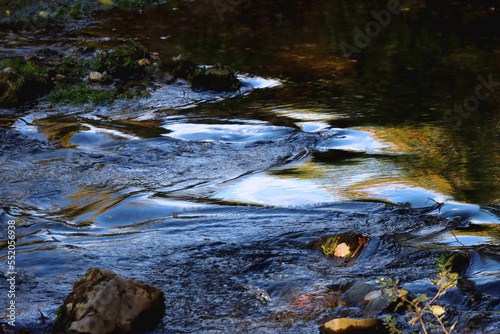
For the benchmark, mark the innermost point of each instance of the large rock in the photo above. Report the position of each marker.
(348, 325)
(219, 79)
(102, 302)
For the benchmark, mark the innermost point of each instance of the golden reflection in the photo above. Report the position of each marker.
(435, 159)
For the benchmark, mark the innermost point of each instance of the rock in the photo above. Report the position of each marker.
(347, 325)
(10, 83)
(218, 79)
(359, 291)
(369, 298)
(102, 302)
(95, 77)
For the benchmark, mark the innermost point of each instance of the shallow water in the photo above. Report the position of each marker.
(214, 197)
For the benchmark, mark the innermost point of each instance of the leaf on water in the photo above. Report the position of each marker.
(422, 298)
(437, 310)
(342, 250)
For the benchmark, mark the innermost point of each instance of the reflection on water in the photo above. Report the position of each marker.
(168, 189)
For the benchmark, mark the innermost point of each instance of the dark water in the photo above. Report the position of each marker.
(314, 144)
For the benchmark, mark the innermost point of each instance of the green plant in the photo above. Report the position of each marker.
(423, 308)
(330, 245)
(82, 93)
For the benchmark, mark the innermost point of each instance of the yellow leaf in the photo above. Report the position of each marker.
(413, 321)
(106, 2)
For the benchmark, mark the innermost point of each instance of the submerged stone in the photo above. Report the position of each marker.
(102, 302)
(8, 82)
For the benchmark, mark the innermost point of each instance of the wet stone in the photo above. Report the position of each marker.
(347, 325)
(102, 302)
(368, 297)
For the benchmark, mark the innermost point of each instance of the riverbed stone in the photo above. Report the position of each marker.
(8, 87)
(102, 302)
(348, 325)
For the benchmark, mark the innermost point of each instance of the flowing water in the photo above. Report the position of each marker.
(214, 197)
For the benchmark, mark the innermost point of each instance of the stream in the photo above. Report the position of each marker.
(214, 197)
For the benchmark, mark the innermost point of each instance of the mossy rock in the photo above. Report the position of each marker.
(179, 67)
(22, 82)
(218, 79)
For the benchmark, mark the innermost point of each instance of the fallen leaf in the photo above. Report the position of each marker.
(95, 77)
(342, 250)
(106, 2)
(437, 310)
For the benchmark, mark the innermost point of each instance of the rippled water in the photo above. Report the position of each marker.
(214, 197)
